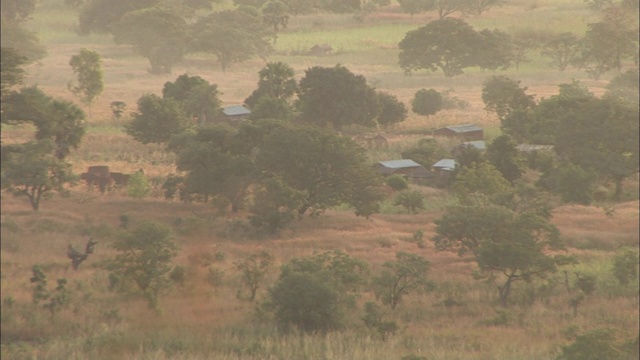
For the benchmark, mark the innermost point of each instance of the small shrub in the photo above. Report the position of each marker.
(593, 345)
(397, 182)
(373, 319)
(625, 266)
(138, 186)
(413, 201)
(124, 221)
(178, 275)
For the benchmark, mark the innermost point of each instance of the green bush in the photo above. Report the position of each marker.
(625, 266)
(138, 186)
(397, 182)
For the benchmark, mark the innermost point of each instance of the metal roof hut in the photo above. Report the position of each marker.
(407, 167)
(235, 112)
(321, 50)
(468, 132)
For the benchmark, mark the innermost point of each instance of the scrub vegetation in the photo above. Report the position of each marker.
(273, 237)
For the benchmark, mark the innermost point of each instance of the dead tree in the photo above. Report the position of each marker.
(77, 257)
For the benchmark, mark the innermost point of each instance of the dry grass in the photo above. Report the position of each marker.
(200, 321)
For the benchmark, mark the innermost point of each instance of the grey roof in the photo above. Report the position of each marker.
(445, 164)
(532, 147)
(463, 128)
(235, 110)
(478, 144)
(399, 164)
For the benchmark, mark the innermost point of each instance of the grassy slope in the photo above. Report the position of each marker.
(202, 322)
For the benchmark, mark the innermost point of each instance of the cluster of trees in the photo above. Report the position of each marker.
(36, 168)
(446, 8)
(13, 33)
(594, 138)
(164, 32)
(452, 45)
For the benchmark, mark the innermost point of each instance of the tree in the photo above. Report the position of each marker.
(503, 153)
(217, 163)
(31, 170)
(271, 108)
(572, 182)
(400, 277)
(138, 185)
(612, 129)
(17, 11)
(503, 95)
(480, 6)
(312, 294)
(563, 49)
(26, 43)
(328, 169)
(507, 246)
(276, 15)
(397, 182)
(87, 65)
(11, 69)
(413, 7)
(233, 36)
(276, 81)
(254, 269)
(448, 7)
(100, 16)
(160, 35)
(144, 257)
(496, 51)
(479, 178)
(412, 200)
(539, 125)
(446, 44)
(274, 205)
(625, 86)
(156, 120)
(197, 97)
(426, 102)
(392, 111)
(58, 120)
(336, 97)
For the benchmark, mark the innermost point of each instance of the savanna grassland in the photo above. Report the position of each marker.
(201, 317)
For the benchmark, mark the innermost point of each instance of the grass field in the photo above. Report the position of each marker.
(205, 320)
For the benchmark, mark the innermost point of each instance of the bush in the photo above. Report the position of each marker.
(413, 201)
(397, 182)
(312, 293)
(138, 186)
(625, 266)
(598, 344)
(426, 102)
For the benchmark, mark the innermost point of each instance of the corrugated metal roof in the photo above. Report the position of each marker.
(463, 128)
(399, 164)
(532, 147)
(235, 110)
(478, 144)
(445, 164)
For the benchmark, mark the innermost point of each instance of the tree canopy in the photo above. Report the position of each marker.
(336, 97)
(157, 119)
(197, 97)
(233, 36)
(87, 65)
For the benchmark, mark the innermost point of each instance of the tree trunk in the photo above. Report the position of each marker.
(504, 291)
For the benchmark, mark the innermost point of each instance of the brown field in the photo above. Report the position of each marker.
(202, 321)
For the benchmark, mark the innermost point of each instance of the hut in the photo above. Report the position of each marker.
(467, 132)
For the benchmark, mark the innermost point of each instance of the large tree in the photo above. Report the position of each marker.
(157, 119)
(276, 15)
(503, 95)
(99, 16)
(611, 127)
(87, 65)
(334, 96)
(447, 44)
(329, 169)
(233, 36)
(11, 69)
(392, 110)
(216, 164)
(562, 49)
(31, 170)
(197, 97)
(503, 153)
(276, 80)
(58, 120)
(158, 34)
(507, 246)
